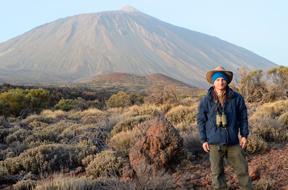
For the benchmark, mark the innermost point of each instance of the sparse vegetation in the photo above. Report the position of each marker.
(118, 138)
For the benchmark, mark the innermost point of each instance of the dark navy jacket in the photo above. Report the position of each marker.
(236, 112)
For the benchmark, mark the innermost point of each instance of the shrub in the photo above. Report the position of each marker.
(128, 123)
(270, 110)
(66, 104)
(265, 183)
(15, 148)
(3, 171)
(164, 108)
(123, 140)
(49, 116)
(251, 85)
(83, 183)
(270, 130)
(279, 76)
(191, 141)
(77, 104)
(25, 185)
(256, 145)
(19, 135)
(51, 133)
(92, 135)
(94, 115)
(120, 99)
(181, 113)
(47, 159)
(88, 159)
(14, 101)
(105, 164)
(283, 119)
(136, 99)
(4, 108)
(145, 109)
(91, 112)
(38, 98)
(161, 94)
(20, 102)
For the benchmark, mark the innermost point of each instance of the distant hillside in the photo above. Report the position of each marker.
(78, 47)
(135, 83)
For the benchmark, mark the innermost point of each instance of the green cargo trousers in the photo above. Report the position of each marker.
(235, 158)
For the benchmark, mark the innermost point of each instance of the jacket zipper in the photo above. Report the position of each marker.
(227, 133)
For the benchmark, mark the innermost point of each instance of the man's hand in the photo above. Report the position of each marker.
(205, 146)
(243, 142)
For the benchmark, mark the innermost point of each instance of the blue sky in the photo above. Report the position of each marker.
(257, 25)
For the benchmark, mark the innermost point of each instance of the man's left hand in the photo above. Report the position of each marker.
(243, 142)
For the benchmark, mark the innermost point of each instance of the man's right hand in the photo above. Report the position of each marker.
(205, 146)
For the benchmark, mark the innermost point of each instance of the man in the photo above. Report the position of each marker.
(222, 113)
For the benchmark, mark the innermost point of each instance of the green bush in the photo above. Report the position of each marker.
(20, 102)
(14, 101)
(105, 164)
(77, 104)
(38, 98)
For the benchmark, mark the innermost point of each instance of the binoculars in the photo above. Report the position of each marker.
(221, 120)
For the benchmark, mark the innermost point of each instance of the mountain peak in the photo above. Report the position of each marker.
(128, 8)
(128, 41)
